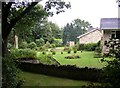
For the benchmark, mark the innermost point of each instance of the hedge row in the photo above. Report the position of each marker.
(65, 71)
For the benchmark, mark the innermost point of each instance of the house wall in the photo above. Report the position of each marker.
(92, 37)
(106, 35)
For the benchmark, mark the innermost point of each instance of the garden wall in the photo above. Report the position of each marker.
(65, 71)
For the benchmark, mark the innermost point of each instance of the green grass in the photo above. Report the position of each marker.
(32, 79)
(87, 59)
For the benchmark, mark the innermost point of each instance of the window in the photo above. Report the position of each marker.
(117, 34)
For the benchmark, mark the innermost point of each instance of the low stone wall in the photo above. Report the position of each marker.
(65, 71)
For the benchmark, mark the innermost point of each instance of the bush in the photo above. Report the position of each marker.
(46, 59)
(23, 53)
(69, 51)
(47, 45)
(43, 52)
(75, 47)
(32, 45)
(111, 72)
(23, 45)
(90, 46)
(40, 42)
(75, 51)
(58, 42)
(53, 53)
(10, 73)
(61, 52)
(80, 46)
(72, 57)
(53, 45)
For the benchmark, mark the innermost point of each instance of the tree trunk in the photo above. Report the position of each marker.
(16, 40)
(4, 46)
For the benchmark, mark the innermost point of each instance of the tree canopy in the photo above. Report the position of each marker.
(13, 12)
(72, 30)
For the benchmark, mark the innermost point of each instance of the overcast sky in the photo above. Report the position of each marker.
(88, 10)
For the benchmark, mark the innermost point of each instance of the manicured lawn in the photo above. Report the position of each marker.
(32, 79)
(86, 59)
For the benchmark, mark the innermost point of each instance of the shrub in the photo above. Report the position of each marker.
(75, 51)
(47, 45)
(80, 46)
(53, 45)
(32, 45)
(43, 52)
(23, 53)
(111, 72)
(40, 42)
(53, 53)
(58, 42)
(23, 45)
(46, 59)
(61, 52)
(75, 47)
(90, 46)
(72, 57)
(69, 51)
(10, 73)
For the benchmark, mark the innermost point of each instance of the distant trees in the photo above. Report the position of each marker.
(13, 12)
(72, 30)
(46, 30)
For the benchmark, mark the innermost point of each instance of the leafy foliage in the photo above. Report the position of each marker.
(90, 46)
(46, 58)
(10, 73)
(40, 42)
(23, 45)
(72, 56)
(112, 70)
(32, 45)
(24, 53)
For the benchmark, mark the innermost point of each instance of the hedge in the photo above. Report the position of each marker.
(65, 71)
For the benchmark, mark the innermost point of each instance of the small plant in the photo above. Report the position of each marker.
(53, 53)
(72, 57)
(75, 51)
(32, 45)
(69, 51)
(61, 52)
(43, 52)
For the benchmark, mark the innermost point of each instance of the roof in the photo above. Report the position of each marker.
(110, 23)
(88, 32)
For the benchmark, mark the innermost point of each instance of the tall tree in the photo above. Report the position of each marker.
(72, 30)
(8, 24)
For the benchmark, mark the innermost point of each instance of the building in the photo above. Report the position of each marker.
(92, 36)
(110, 28)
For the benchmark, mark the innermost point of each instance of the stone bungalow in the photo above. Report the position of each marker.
(110, 28)
(92, 36)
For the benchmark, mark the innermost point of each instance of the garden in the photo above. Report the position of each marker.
(37, 52)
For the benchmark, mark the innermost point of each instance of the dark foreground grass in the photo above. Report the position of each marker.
(32, 79)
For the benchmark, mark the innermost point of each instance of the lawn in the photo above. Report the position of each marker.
(32, 79)
(86, 59)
